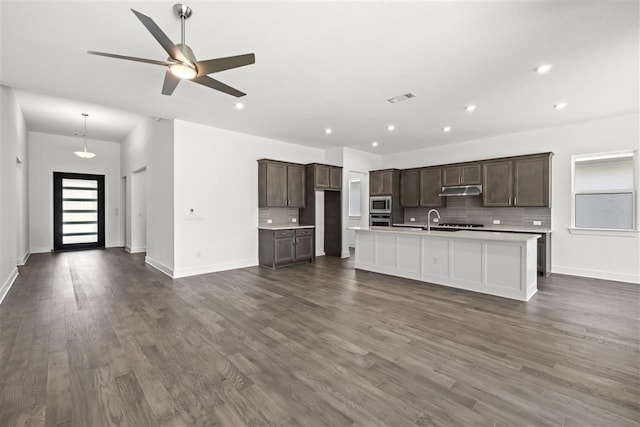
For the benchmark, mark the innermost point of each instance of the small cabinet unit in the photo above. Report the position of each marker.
(410, 188)
(283, 247)
(520, 181)
(430, 187)
(384, 182)
(463, 174)
(326, 177)
(280, 184)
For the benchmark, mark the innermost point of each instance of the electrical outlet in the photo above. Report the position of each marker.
(198, 254)
(435, 260)
(412, 219)
(496, 221)
(269, 221)
(537, 222)
(294, 220)
(436, 220)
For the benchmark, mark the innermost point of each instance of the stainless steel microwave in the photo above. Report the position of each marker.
(380, 204)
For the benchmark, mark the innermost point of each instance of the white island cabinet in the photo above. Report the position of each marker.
(502, 264)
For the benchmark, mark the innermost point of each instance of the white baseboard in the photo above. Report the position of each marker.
(212, 268)
(159, 266)
(137, 249)
(6, 286)
(346, 254)
(40, 250)
(596, 274)
(320, 253)
(23, 260)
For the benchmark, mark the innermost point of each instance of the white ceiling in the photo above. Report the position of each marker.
(331, 64)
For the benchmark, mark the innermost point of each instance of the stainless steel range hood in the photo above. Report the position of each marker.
(461, 190)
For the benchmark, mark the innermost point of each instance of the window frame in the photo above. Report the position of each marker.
(351, 213)
(573, 229)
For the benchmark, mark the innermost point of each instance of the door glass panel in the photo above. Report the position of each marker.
(85, 183)
(89, 238)
(79, 228)
(79, 206)
(79, 216)
(68, 193)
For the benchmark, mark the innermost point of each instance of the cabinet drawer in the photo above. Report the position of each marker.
(304, 232)
(280, 234)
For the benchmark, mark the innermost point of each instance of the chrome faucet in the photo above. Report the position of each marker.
(429, 219)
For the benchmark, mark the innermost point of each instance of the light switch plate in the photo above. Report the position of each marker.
(436, 220)
(294, 220)
(496, 221)
(537, 222)
(269, 221)
(412, 219)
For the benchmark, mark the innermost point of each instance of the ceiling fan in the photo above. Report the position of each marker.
(182, 63)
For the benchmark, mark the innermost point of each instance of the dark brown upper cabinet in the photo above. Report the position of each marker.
(335, 178)
(280, 184)
(410, 188)
(326, 177)
(462, 174)
(519, 181)
(384, 182)
(430, 187)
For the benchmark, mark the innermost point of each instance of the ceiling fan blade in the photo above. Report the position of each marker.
(129, 58)
(161, 37)
(170, 83)
(209, 66)
(217, 85)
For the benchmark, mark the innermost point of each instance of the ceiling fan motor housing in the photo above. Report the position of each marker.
(182, 10)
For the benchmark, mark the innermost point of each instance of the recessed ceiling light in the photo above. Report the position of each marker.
(447, 129)
(560, 105)
(328, 131)
(391, 128)
(374, 143)
(470, 108)
(239, 106)
(542, 69)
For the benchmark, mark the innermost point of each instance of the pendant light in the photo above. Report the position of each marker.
(84, 153)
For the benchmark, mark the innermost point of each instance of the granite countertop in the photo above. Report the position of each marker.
(462, 234)
(532, 229)
(283, 227)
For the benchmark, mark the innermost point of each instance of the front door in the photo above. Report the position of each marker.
(78, 211)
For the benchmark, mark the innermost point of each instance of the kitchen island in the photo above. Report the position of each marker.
(501, 264)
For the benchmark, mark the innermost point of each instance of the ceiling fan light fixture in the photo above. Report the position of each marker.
(183, 71)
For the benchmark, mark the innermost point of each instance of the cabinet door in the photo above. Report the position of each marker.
(410, 188)
(295, 186)
(276, 185)
(386, 183)
(451, 175)
(284, 250)
(322, 177)
(304, 248)
(497, 183)
(335, 178)
(471, 174)
(430, 187)
(531, 181)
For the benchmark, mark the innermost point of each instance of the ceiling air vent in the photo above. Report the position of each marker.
(399, 98)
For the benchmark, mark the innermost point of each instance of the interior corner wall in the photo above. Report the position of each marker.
(216, 175)
(356, 164)
(50, 153)
(603, 257)
(13, 146)
(150, 145)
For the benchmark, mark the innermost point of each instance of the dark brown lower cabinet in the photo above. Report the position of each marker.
(278, 248)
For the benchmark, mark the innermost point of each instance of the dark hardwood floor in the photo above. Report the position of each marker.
(98, 338)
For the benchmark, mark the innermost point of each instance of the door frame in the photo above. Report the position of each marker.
(57, 212)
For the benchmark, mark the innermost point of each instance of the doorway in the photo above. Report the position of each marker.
(78, 211)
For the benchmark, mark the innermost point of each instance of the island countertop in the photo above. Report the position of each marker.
(512, 229)
(284, 227)
(457, 234)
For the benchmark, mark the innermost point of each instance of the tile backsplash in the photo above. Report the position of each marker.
(469, 209)
(278, 216)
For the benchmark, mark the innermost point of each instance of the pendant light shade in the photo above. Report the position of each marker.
(84, 154)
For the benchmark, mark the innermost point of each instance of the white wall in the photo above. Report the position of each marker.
(150, 145)
(216, 175)
(606, 257)
(356, 164)
(138, 211)
(13, 146)
(54, 153)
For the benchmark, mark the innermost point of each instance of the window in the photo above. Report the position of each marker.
(604, 191)
(354, 197)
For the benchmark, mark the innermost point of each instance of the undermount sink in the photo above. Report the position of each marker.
(442, 229)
